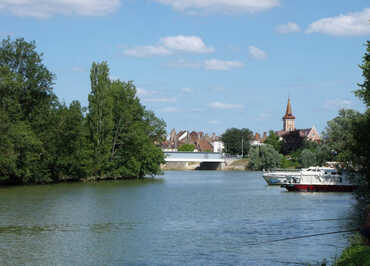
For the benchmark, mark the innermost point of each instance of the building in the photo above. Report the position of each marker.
(291, 137)
(202, 142)
(310, 134)
(288, 118)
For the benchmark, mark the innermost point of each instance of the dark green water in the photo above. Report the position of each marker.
(182, 218)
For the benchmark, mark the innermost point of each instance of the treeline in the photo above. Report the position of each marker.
(276, 153)
(44, 140)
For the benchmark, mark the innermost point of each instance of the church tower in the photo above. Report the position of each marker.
(288, 118)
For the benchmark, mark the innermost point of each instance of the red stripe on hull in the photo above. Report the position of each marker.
(319, 188)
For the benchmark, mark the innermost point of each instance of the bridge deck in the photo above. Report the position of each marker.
(194, 157)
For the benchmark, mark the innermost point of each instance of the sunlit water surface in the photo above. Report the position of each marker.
(181, 218)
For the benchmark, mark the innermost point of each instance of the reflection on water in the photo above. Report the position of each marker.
(191, 218)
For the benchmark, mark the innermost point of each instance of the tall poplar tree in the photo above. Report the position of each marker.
(100, 116)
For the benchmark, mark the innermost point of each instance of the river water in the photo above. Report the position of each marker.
(180, 218)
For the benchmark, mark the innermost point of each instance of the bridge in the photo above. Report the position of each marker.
(195, 160)
(210, 157)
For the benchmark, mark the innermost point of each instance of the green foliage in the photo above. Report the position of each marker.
(291, 142)
(186, 147)
(289, 163)
(273, 140)
(99, 118)
(264, 157)
(364, 91)
(234, 139)
(42, 140)
(307, 158)
(356, 254)
(339, 134)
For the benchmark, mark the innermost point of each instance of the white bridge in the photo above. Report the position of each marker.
(202, 157)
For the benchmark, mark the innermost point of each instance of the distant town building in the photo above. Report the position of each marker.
(202, 142)
(288, 118)
(289, 134)
(289, 127)
(218, 146)
(258, 140)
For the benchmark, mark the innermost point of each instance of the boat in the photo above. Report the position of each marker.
(283, 176)
(320, 180)
(279, 176)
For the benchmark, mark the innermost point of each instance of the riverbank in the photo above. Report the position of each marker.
(358, 253)
(229, 165)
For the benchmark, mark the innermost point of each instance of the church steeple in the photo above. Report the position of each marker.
(288, 108)
(288, 118)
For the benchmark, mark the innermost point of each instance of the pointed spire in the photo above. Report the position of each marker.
(288, 108)
(288, 112)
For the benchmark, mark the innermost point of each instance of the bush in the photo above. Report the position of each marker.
(186, 147)
(264, 157)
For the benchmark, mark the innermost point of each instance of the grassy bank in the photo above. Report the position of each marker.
(358, 253)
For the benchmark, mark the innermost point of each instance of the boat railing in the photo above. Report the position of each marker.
(283, 170)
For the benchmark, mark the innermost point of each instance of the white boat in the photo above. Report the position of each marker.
(279, 176)
(284, 176)
(320, 180)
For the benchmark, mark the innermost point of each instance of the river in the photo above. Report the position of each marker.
(180, 218)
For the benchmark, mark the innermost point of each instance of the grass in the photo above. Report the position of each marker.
(357, 254)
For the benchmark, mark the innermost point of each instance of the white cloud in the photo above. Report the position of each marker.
(187, 90)
(216, 64)
(160, 100)
(288, 28)
(352, 24)
(44, 9)
(214, 122)
(145, 51)
(221, 6)
(256, 53)
(220, 105)
(336, 104)
(170, 109)
(191, 44)
(170, 45)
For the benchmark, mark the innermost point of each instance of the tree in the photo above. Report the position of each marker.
(34, 81)
(234, 139)
(338, 135)
(43, 140)
(123, 133)
(361, 136)
(186, 147)
(27, 104)
(264, 157)
(273, 140)
(307, 158)
(100, 116)
(292, 141)
(156, 129)
(364, 91)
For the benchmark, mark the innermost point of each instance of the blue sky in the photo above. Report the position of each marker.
(205, 64)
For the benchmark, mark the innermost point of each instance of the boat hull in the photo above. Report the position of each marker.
(319, 188)
(275, 181)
